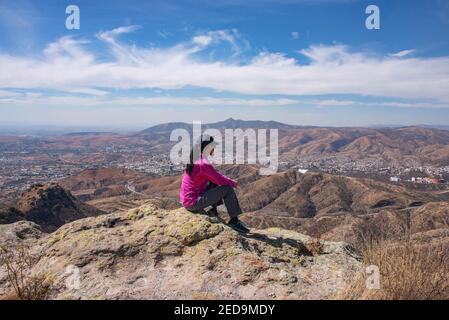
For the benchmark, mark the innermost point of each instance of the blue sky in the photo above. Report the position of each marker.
(136, 63)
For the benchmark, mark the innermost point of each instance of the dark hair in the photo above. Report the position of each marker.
(205, 140)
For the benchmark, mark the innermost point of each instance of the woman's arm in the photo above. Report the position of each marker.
(216, 177)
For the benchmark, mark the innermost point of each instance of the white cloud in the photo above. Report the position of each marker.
(232, 37)
(202, 40)
(8, 94)
(67, 64)
(96, 99)
(403, 53)
(163, 34)
(71, 100)
(334, 103)
(110, 36)
(87, 91)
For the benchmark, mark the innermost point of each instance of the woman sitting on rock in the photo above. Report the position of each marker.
(203, 186)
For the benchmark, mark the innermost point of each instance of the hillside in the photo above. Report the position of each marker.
(394, 145)
(322, 205)
(299, 195)
(343, 208)
(49, 206)
(413, 145)
(417, 145)
(316, 194)
(104, 182)
(141, 251)
(115, 189)
(150, 253)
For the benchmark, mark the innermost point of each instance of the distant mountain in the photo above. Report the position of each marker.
(74, 134)
(415, 145)
(221, 125)
(442, 127)
(394, 145)
(419, 145)
(165, 127)
(244, 124)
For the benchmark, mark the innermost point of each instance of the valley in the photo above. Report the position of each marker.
(405, 154)
(105, 195)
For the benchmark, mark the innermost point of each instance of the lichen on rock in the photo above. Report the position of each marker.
(151, 253)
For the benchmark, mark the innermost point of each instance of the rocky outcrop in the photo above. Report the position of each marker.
(19, 233)
(150, 253)
(49, 206)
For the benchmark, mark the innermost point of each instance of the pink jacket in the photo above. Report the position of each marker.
(193, 185)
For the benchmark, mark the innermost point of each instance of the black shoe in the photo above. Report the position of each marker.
(238, 226)
(198, 212)
(212, 212)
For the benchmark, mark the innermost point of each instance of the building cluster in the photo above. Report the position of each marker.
(156, 164)
(20, 170)
(25, 164)
(18, 174)
(343, 165)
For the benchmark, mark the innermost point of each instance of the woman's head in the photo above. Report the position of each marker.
(208, 147)
(205, 146)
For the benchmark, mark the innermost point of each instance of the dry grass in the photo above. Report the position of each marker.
(18, 261)
(408, 271)
(315, 246)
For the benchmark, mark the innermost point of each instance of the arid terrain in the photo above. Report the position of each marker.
(404, 153)
(150, 253)
(323, 205)
(118, 219)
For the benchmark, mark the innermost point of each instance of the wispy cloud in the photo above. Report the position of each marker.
(163, 34)
(233, 37)
(8, 94)
(403, 53)
(98, 100)
(388, 104)
(68, 63)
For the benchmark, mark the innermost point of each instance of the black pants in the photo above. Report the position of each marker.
(214, 196)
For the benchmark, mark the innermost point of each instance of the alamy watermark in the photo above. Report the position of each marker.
(256, 151)
(372, 281)
(73, 280)
(372, 22)
(73, 21)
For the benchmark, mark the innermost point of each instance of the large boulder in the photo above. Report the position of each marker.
(150, 253)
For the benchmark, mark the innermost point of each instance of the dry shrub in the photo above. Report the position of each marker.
(408, 271)
(18, 261)
(315, 246)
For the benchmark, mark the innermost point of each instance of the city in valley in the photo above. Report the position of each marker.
(224, 150)
(29, 160)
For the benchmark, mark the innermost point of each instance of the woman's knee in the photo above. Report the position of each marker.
(228, 189)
